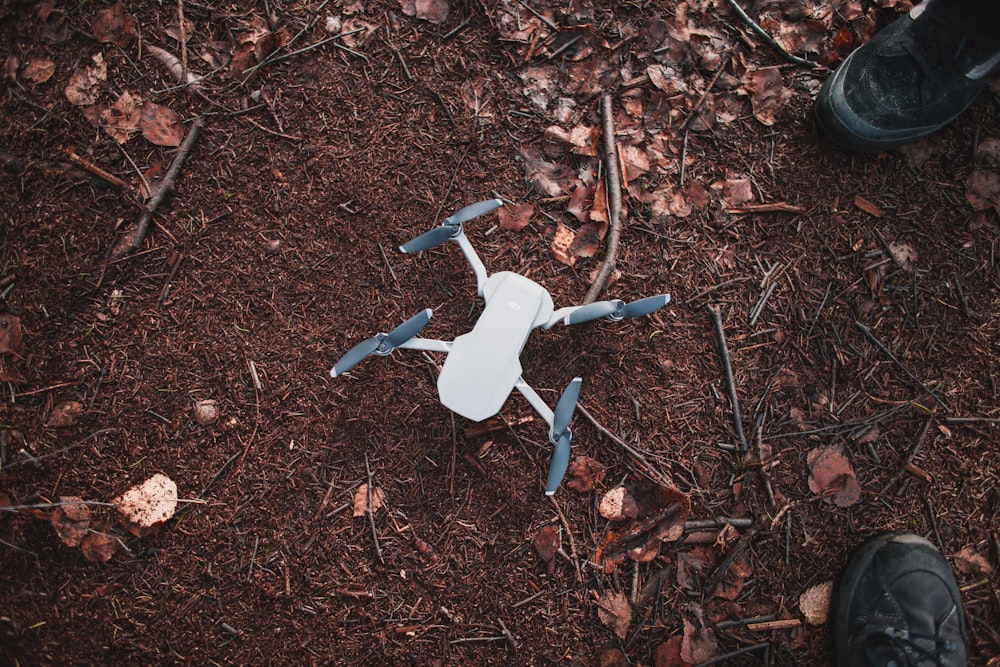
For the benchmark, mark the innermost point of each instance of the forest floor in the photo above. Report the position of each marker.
(859, 297)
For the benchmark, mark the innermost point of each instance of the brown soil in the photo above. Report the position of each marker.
(278, 251)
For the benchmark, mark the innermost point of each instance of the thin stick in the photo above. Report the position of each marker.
(634, 453)
(569, 536)
(370, 512)
(733, 654)
(727, 562)
(613, 183)
(770, 40)
(506, 633)
(908, 459)
(728, 369)
(95, 170)
(899, 364)
(168, 184)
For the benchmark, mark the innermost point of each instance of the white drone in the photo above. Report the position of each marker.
(483, 365)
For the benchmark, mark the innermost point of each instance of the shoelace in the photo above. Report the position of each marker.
(910, 653)
(958, 42)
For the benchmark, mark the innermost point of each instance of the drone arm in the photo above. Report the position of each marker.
(477, 265)
(559, 316)
(536, 401)
(429, 344)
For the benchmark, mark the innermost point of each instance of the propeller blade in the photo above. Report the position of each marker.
(406, 330)
(593, 311)
(564, 408)
(355, 356)
(473, 211)
(560, 462)
(431, 239)
(644, 306)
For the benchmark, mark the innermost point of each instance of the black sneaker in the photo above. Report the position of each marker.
(897, 604)
(913, 77)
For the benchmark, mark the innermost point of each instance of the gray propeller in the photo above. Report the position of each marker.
(451, 227)
(382, 344)
(617, 309)
(561, 435)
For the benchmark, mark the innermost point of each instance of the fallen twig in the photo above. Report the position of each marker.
(727, 562)
(369, 511)
(908, 458)
(770, 40)
(613, 182)
(899, 364)
(629, 449)
(728, 370)
(95, 170)
(166, 186)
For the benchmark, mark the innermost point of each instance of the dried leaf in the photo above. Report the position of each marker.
(699, 644)
(435, 11)
(146, 506)
(10, 334)
(515, 218)
(38, 70)
(361, 500)
(868, 206)
(737, 191)
(580, 202)
(903, 255)
(65, 414)
(690, 567)
(768, 94)
(983, 189)
(174, 66)
(160, 125)
(122, 118)
(561, 243)
(71, 520)
(831, 476)
(973, 564)
(547, 542)
(114, 25)
(587, 241)
(815, 603)
(618, 505)
(547, 178)
(614, 611)
(99, 547)
(85, 83)
(584, 474)
(206, 412)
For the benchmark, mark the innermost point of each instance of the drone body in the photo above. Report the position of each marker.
(483, 366)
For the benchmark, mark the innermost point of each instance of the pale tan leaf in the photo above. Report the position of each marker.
(361, 500)
(561, 243)
(618, 505)
(145, 506)
(699, 644)
(814, 603)
(85, 82)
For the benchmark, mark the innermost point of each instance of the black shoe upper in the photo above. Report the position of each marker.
(897, 603)
(912, 78)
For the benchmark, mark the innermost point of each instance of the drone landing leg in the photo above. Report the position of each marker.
(536, 401)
